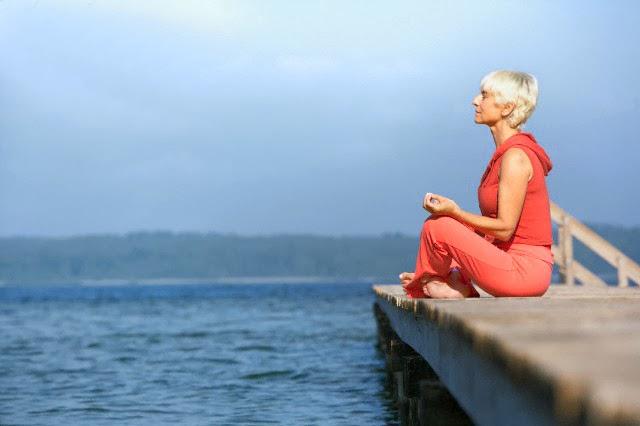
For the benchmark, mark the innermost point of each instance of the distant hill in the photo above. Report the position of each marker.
(154, 255)
(158, 255)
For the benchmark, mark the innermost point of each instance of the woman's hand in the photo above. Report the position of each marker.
(439, 205)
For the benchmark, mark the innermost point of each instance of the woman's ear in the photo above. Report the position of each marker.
(507, 109)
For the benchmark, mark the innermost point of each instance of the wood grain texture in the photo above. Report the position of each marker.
(574, 353)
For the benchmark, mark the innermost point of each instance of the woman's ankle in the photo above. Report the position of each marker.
(462, 283)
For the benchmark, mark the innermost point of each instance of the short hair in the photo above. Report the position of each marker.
(517, 88)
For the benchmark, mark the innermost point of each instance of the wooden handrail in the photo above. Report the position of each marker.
(570, 270)
(579, 271)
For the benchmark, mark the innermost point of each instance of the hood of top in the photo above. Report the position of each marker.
(525, 139)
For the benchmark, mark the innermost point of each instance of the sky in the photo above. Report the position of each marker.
(324, 117)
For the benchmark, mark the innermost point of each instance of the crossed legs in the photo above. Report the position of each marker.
(449, 253)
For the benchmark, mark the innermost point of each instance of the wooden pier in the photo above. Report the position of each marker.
(571, 357)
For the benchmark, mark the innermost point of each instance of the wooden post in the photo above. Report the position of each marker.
(559, 259)
(420, 397)
(623, 278)
(571, 270)
(565, 242)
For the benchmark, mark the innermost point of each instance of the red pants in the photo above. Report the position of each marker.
(445, 243)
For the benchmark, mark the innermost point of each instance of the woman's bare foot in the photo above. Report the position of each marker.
(406, 277)
(414, 288)
(442, 290)
(455, 287)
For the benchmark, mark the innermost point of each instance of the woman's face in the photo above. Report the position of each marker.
(487, 109)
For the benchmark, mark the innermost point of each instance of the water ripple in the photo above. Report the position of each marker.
(260, 348)
(267, 375)
(268, 354)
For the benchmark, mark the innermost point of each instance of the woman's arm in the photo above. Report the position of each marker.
(515, 173)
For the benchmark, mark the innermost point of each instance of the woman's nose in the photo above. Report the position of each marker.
(475, 102)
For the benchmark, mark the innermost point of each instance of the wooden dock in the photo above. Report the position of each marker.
(571, 357)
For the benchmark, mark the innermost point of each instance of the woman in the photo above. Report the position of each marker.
(506, 251)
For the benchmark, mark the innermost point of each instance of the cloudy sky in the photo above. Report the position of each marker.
(323, 117)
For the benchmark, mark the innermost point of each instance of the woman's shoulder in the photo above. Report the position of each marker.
(516, 162)
(516, 156)
(527, 144)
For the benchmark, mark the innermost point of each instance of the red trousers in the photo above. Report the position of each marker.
(445, 243)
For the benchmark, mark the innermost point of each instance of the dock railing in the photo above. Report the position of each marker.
(570, 269)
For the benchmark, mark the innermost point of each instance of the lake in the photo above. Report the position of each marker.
(192, 354)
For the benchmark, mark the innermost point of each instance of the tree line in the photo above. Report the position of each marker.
(159, 255)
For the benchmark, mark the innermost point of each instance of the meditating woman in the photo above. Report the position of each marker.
(506, 251)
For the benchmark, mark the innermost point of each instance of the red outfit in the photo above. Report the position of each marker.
(518, 267)
(534, 226)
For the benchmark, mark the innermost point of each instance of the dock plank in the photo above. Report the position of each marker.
(573, 354)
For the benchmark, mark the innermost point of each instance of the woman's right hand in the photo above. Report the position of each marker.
(438, 205)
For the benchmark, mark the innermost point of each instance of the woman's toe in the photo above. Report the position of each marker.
(426, 291)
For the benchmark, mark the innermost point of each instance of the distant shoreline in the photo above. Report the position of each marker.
(174, 259)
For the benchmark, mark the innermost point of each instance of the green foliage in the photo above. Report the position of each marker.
(157, 255)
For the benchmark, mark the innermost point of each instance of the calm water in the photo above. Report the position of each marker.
(218, 354)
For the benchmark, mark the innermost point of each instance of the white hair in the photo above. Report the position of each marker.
(513, 87)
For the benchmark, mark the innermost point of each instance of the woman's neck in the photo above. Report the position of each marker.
(501, 131)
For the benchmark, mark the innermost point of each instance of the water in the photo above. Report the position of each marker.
(199, 354)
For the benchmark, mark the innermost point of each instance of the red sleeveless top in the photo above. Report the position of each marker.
(534, 226)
